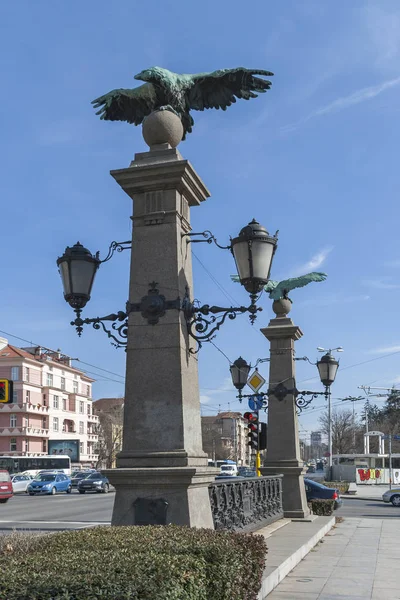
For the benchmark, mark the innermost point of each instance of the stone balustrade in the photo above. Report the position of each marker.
(246, 504)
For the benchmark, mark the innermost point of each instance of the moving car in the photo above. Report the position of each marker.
(317, 491)
(49, 483)
(392, 496)
(228, 469)
(20, 483)
(6, 490)
(94, 482)
(247, 472)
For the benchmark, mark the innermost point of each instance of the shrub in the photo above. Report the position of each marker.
(342, 486)
(135, 563)
(322, 507)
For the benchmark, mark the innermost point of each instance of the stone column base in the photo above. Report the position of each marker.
(162, 496)
(293, 491)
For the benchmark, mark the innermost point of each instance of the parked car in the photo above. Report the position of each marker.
(94, 482)
(49, 483)
(392, 496)
(6, 490)
(77, 476)
(317, 491)
(20, 483)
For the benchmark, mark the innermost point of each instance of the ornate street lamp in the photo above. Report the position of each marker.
(327, 368)
(253, 250)
(78, 268)
(239, 373)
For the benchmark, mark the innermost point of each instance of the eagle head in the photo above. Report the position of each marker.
(153, 74)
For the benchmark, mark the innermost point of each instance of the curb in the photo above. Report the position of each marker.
(361, 498)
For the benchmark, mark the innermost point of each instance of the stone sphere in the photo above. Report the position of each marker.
(281, 307)
(162, 127)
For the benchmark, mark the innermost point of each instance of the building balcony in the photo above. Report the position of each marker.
(93, 419)
(24, 431)
(93, 437)
(25, 407)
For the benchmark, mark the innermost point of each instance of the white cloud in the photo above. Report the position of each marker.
(384, 350)
(382, 283)
(339, 104)
(384, 31)
(316, 261)
(204, 399)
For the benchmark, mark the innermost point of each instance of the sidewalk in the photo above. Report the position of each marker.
(368, 492)
(357, 560)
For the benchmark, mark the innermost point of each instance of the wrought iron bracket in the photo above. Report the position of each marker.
(115, 246)
(154, 305)
(209, 238)
(97, 322)
(203, 322)
(281, 391)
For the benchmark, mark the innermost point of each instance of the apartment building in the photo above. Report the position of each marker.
(52, 409)
(225, 436)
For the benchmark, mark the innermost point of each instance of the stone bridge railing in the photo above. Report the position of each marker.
(246, 504)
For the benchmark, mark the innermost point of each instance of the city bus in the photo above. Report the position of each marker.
(31, 465)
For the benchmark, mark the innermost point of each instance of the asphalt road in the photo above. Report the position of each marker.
(52, 513)
(369, 509)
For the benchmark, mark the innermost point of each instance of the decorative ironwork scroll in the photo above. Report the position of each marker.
(246, 505)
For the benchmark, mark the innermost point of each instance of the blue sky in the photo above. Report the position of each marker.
(316, 157)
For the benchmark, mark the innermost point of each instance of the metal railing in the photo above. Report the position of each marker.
(246, 504)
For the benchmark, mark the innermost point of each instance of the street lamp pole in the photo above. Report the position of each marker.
(327, 367)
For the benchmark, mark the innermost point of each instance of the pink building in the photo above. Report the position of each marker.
(52, 402)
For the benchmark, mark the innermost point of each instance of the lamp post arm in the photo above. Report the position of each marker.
(209, 238)
(115, 246)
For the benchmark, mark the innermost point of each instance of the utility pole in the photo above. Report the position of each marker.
(390, 461)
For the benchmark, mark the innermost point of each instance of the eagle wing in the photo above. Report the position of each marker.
(127, 105)
(220, 89)
(296, 282)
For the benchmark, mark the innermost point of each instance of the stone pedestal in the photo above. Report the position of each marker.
(283, 449)
(162, 462)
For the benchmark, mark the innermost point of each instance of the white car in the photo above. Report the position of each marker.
(20, 483)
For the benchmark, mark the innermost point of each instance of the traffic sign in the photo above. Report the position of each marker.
(256, 402)
(255, 381)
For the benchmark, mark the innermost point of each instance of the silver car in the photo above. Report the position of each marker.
(392, 496)
(20, 483)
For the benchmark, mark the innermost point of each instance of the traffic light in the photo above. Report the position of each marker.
(263, 436)
(252, 424)
(6, 391)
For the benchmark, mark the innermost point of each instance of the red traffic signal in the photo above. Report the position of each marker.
(252, 425)
(6, 391)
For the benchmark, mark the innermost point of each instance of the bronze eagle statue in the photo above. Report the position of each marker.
(165, 90)
(280, 289)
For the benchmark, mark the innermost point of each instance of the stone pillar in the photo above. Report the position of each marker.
(283, 448)
(162, 474)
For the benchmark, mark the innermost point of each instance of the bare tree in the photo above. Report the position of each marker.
(343, 430)
(110, 436)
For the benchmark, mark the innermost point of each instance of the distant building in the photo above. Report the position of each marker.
(111, 414)
(225, 436)
(52, 403)
(316, 438)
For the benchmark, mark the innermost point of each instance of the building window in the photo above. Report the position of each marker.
(55, 401)
(27, 396)
(81, 427)
(44, 422)
(63, 383)
(75, 387)
(88, 391)
(15, 396)
(26, 444)
(64, 404)
(44, 446)
(55, 423)
(49, 379)
(13, 444)
(81, 448)
(88, 409)
(44, 400)
(15, 373)
(13, 420)
(81, 407)
(26, 374)
(50, 368)
(26, 421)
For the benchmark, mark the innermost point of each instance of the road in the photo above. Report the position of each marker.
(373, 509)
(52, 513)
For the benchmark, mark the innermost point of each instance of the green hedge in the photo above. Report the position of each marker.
(322, 507)
(135, 563)
(342, 486)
